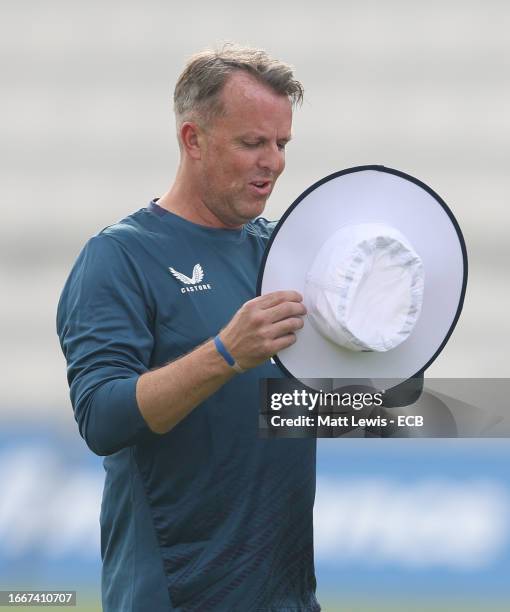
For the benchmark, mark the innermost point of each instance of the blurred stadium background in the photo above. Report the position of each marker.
(87, 137)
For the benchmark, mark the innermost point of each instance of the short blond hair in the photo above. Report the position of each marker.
(198, 89)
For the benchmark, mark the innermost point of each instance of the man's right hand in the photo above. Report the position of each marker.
(259, 329)
(263, 326)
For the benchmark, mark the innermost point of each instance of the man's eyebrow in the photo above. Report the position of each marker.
(261, 138)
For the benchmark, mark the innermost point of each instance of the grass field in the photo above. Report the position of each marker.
(335, 605)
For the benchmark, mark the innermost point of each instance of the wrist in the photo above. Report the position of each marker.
(226, 355)
(212, 362)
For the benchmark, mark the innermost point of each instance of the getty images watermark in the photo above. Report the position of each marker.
(429, 408)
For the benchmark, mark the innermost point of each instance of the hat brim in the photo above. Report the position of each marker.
(367, 194)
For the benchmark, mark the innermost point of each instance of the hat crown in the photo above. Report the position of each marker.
(364, 290)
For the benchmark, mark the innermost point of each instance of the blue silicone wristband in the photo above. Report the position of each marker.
(220, 347)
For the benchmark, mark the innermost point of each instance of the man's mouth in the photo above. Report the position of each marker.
(261, 187)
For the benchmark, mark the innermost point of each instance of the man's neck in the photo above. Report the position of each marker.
(186, 203)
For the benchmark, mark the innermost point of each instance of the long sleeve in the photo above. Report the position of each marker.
(103, 322)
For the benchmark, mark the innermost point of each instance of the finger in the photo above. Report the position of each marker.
(287, 326)
(277, 297)
(283, 342)
(285, 310)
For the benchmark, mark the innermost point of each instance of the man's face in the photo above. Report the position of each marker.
(243, 151)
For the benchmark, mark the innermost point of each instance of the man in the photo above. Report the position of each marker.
(166, 343)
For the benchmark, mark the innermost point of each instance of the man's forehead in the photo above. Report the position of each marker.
(243, 92)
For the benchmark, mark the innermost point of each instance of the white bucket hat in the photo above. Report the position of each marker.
(382, 265)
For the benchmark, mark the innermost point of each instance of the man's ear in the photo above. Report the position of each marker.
(192, 139)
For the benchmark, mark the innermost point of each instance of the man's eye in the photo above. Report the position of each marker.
(281, 146)
(250, 144)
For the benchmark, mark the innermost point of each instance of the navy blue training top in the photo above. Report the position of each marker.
(207, 517)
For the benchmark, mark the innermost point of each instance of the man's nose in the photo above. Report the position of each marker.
(272, 159)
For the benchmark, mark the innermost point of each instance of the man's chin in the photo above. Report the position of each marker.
(244, 211)
(254, 209)
(252, 212)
